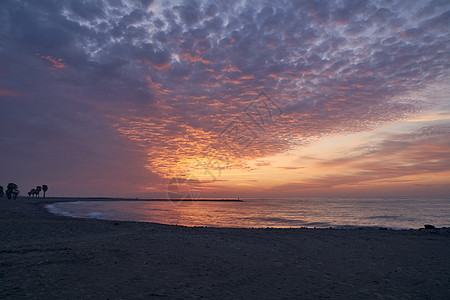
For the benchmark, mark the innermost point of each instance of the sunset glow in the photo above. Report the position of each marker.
(240, 98)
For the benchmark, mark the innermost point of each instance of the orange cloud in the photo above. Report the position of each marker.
(56, 63)
(9, 93)
(163, 67)
(194, 58)
(247, 77)
(231, 68)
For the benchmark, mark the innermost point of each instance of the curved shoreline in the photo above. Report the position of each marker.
(54, 210)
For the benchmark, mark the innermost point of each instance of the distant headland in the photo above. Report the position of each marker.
(143, 199)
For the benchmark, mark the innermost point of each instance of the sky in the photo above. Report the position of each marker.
(157, 99)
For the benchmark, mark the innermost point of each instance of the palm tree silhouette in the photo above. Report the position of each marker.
(12, 190)
(38, 190)
(44, 188)
(33, 192)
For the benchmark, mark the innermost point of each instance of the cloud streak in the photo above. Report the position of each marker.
(416, 159)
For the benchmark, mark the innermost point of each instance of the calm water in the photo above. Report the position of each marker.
(396, 213)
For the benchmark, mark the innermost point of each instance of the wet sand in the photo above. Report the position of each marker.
(43, 256)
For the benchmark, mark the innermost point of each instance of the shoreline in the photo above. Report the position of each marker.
(44, 255)
(50, 201)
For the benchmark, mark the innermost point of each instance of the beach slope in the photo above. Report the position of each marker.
(45, 256)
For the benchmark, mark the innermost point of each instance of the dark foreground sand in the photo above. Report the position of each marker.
(48, 257)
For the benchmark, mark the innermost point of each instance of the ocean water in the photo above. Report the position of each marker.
(394, 213)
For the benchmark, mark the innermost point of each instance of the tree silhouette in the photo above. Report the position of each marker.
(1, 192)
(29, 194)
(33, 192)
(38, 190)
(44, 189)
(12, 190)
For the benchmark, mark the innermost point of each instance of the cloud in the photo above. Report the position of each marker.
(170, 76)
(415, 158)
(55, 63)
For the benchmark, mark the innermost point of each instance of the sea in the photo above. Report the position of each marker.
(370, 212)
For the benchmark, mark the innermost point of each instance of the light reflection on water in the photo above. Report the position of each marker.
(282, 213)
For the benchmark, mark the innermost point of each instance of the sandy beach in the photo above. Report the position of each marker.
(43, 256)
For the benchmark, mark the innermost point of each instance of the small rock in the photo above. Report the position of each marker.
(428, 226)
